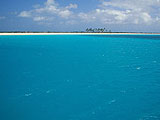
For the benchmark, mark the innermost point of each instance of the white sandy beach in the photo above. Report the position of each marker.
(72, 33)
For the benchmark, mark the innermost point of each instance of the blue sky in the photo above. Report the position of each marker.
(75, 15)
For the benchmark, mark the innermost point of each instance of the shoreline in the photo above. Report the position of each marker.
(79, 33)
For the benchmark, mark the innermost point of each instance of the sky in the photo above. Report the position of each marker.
(77, 15)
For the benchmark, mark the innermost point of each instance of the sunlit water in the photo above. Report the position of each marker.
(80, 77)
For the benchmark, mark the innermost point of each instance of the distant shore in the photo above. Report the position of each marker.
(76, 33)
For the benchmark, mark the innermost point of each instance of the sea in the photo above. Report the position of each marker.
(80, 77)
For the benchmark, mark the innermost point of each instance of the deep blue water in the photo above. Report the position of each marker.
(80, 77)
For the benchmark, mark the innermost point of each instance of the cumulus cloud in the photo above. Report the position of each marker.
(65, 13)
(107, 12)
(39, 18)
(50, 2)
(49, 10)
(125, 12)
(71, 6)
(25, 14)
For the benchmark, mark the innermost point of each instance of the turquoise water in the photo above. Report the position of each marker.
(80, 77)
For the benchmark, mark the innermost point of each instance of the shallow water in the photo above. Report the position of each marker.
(80, 77)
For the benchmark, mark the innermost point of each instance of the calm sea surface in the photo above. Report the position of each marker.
(80, 77)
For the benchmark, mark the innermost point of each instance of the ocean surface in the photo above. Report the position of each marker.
(80, 77)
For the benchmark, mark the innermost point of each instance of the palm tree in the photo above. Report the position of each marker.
(87, 30)
(97, 30)
(90, 29)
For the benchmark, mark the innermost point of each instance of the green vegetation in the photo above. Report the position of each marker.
(98, 30)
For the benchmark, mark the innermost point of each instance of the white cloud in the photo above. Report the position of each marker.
(108, 12)
(48, 11)
(125, 12)
(65, 13)
(138, 5)
(104, 16)
(25, 14)
(146, 17)
(71, 6)
(157, 19)
(118, 15)
(50, 2)
(39, 18)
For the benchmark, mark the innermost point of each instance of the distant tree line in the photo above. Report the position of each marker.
(99, 30)
(88, 30)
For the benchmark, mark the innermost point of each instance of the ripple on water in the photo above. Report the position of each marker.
(48, 91)
(150, 118)
(112, 101)
(27, 94)
(138, 68)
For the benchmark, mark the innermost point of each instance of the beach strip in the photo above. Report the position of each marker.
(78, 33)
